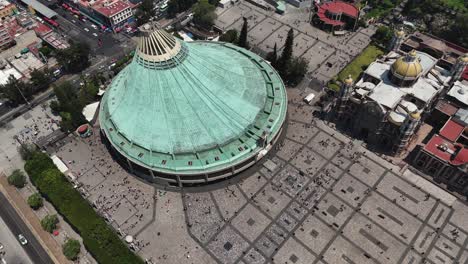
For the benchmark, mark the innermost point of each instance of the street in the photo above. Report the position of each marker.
(17, 226)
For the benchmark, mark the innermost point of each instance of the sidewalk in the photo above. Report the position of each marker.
(50, 245)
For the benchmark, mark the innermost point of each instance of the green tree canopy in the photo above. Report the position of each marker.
(176, 6)
(71, 249)
(35, 201)
(40, 79)
(70, 106)
(286, 55)
(203, 14)
(49, 223)
(17, 179)
(26, 150)
(383, 35)
(297, 69)
(16, 91)
(145, 12)
(229, 36)
(75, 58)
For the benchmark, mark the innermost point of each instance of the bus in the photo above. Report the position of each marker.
(51, 21)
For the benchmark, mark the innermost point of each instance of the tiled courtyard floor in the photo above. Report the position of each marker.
(325, 200)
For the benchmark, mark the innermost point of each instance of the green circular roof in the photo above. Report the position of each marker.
(192, 107)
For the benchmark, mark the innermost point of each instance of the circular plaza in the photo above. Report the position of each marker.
(192, 112)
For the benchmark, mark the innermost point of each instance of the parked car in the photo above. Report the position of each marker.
(22, 239)
(86, 29)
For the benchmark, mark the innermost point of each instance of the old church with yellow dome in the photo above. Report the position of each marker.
(387, 104)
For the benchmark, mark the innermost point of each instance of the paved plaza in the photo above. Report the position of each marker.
(327, 54)
(319, 197)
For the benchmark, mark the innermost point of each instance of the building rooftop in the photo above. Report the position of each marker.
(192, 107)
(388, 94)
(447, 151)
(336, 8)
(110, 8)
(5, 74)
(459, 91)
(40, 8)
(451, 130)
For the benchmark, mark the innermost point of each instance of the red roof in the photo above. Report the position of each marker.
(445, 150)
(42, 29)
(82, 129)
(336, 8)
(451, 130)
(462, 156)
(108, 8)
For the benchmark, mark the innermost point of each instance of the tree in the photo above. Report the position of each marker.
(230, 36)
(297, 69)
(16, 91)
(26, 151)
(70, 106)
(46, 51)
(71, 249)
(17, 179)
(177, 6)
(145, 12)
(41, 79)
(35, 201)
(286, 55)
(75, 58)
(243, 35)
(383, 35)
(88, 92)
(204, 14)
(272, 57)
(49, 223)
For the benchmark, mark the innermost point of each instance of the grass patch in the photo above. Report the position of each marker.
(459, 4)
(358, 65)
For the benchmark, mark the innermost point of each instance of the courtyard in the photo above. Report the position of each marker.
(327, 54)
(319, 197)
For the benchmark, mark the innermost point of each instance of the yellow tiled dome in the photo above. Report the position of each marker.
(464, 58)
(399, 33)
(349, 80)
(407, 66)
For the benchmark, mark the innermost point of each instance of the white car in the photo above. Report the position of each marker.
(1, 247)
(94, 34)
(94, 26)
(86, 29)
(22, 239)
(73, 21)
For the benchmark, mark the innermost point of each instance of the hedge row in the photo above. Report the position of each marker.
(99, 239)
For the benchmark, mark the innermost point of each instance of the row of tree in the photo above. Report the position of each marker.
(19, 91)
(71, 248)
(291, 69)
(99, 238)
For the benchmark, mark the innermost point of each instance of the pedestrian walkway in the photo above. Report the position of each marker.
(50, 245)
